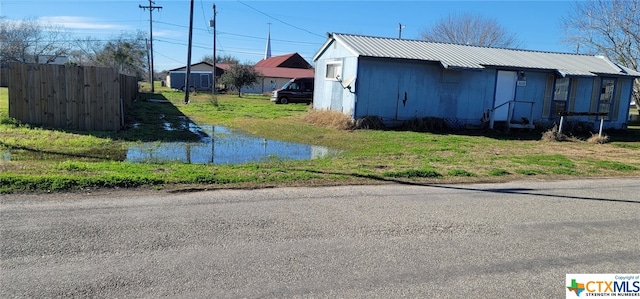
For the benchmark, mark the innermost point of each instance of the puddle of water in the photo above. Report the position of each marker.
(217, 145)
(222, 145)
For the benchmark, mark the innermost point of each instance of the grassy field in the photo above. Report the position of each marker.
(43, 159)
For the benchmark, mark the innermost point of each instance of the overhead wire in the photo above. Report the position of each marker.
(240, 35)
(279, 20)
(204, 17)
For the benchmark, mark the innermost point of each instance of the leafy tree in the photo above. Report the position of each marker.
(609, 28)
(127, 53)
(228, 59)
(240, 75)
(471, 29)
(32, 41)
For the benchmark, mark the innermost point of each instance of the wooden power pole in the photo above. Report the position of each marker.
(151, 8)
(187, 85)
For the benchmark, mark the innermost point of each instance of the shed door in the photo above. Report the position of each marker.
(505, 92)
(204, 80)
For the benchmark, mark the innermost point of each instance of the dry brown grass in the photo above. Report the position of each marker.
(597, 139)
(554, 135)
(329, 119)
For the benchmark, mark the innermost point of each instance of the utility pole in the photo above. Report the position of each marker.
(187, 85)
(213, 24)
(151, 8)
(400, 27)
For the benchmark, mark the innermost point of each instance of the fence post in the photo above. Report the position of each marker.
(601, 125)
(561, 122)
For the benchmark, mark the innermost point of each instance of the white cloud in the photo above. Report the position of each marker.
(81, 23)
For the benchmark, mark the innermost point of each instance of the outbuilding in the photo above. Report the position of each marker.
(399, 80)
(201, 76)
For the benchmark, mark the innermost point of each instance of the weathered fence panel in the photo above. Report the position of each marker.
(4, 75)
(70, 97)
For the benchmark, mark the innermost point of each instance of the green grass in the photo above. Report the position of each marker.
(45, 159)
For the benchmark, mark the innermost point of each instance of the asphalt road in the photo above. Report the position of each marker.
(511, 240)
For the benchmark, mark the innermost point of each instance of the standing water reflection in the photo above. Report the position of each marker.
(222, 145)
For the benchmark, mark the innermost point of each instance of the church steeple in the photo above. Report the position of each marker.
(267, 50)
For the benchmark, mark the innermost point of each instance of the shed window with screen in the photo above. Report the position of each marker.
(334, 69)
(607, 91)
(560, 96)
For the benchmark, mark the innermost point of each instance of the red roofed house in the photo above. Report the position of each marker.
(278, 70)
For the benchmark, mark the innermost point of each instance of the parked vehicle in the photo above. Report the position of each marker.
(297, 90)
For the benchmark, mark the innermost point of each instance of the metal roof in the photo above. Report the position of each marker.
(456, 56)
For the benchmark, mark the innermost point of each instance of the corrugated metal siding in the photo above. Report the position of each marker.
(397, 91)
(472, 57)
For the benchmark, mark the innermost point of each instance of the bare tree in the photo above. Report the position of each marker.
(471, 29)
(607, 27)
(32, 41)
(86, 50)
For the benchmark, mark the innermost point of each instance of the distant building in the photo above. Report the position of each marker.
(278, 70)
(201, 76)
(275, 71)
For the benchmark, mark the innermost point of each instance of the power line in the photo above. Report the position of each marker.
(281, 21)
(240, 35)
(204, 17)
(168, 57)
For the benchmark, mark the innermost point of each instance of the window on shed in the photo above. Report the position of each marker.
(607, 91)
(560, 96)
(334, 69)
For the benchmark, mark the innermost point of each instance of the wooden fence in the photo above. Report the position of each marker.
(70, 97)
(4, 76)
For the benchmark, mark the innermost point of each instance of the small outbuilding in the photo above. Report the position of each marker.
(398, 80)
(201, 76)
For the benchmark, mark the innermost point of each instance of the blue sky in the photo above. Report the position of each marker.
(296, 26)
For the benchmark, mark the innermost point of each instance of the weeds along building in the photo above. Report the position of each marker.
(399, 80)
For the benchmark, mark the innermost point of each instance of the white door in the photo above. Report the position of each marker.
(505, 92)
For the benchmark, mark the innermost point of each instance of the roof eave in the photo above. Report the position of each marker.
(334, 37)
